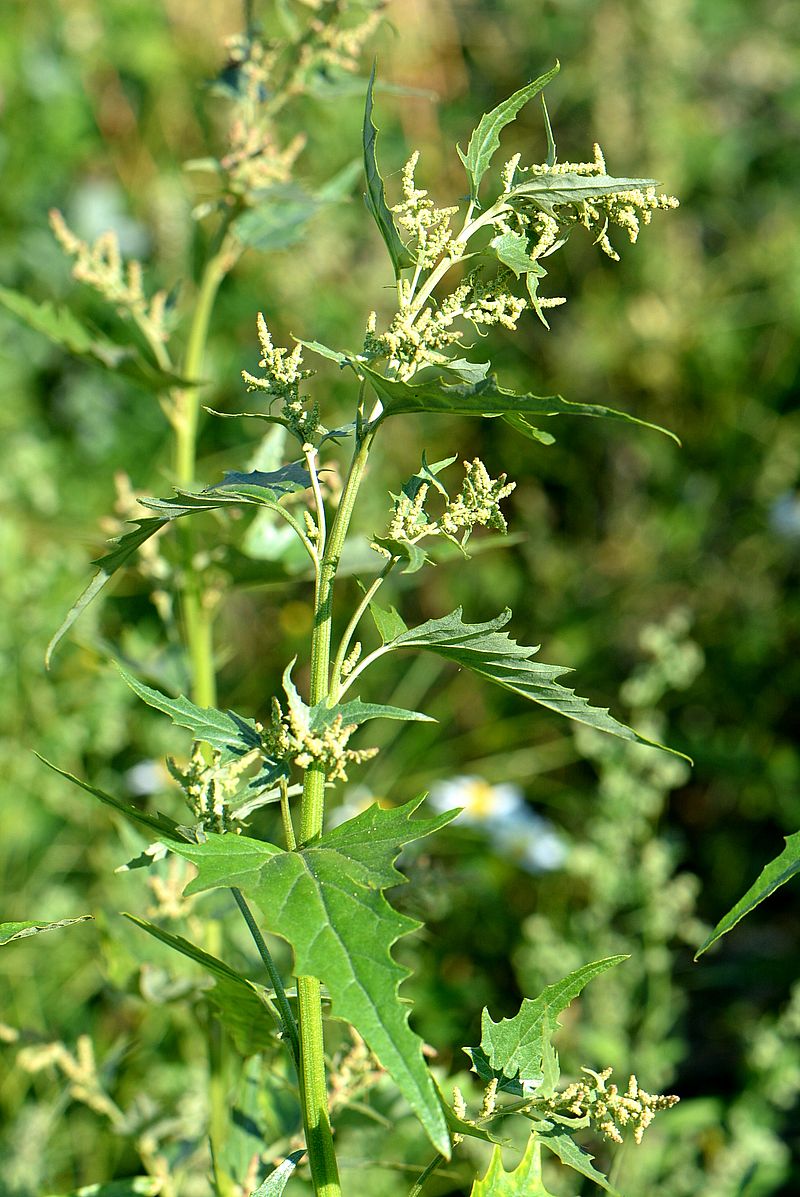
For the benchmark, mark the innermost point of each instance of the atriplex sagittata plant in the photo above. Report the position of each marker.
(478, 263)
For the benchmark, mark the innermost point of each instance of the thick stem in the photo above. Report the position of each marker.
(313, 1081)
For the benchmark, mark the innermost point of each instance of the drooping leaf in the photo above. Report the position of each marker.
(484, 398)
(561, 1143)
(238, 1002)
(277, 1180)
(492, 654)
(326, 901)
(375, 195)
(231, 734)
(515, 1049)
(64, 329)
(485, 140)
(524, 1181)
(11, 931)
(552, 190)
(772, 877)
(159, 826)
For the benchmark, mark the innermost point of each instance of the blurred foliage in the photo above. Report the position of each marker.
(619, 531)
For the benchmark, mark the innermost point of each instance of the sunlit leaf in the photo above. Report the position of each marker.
(772, 876)
(11, 931)
(485, 140)
(493, 655)
(277, 1180)
(375, 195)
(561, 1143)
(551, 190)
(524, 1181)
(326, 901)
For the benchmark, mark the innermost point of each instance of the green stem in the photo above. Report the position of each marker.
(336, 672)
(424, 1175)
(287, 1017)
(313, 1082)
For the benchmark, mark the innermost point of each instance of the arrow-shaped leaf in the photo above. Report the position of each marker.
(524, 1181)
(492, 654)
(375, 195)
(485, 140)
(484, 398)
(772, 876)
(326, 901)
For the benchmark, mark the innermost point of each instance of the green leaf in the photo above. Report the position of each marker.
(64, 329)
(772, 876)
(358, 712)
(229, 733)
(326, 901)
(524, 1181)
(516, 1049)
(485, 140)
(492, 654)
(551, 145)
(278, 220)
(375, 195)
(324, 351)
(551, 190)
(512, 250)
(277, 1180)
(561, 1143)
(413, 554)
(11, 931)
(159, 826)
(483, 398)
(239, 1003)
(265, 486)
(389, 623)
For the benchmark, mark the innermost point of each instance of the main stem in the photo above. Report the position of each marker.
(197, 613)
(313, 1081)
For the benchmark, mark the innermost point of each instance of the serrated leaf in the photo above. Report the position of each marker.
(515, 1048)
(159, 826)
(524, 1181)
(561, 1143)
(277, 1180)
(483, 398)
(326, 901)
(231, 734)
(11, 931)
(772, 877)
(375, 195)
(238, 1001)
(552, 190)
(512, 250)
(492, 654)
(64, 329)
(485, 140)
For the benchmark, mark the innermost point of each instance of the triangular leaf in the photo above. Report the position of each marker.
(485, 140)
(516, 1048)
(64, 329)
(277, 1180)
(483, 398)
(524, 1181)
(375, 195)
(561, 1143)
(492, 654)
(229, 733)
(11, 931)
(772, 876)
(326, 901)
(238, 1001)
(159, 826)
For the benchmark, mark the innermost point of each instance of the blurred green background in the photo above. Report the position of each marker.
(667, 577)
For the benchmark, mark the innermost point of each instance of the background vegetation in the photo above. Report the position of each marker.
(667, 577)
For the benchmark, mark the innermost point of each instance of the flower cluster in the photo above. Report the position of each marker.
(514, 830)
(101, 266)
(607, 1110)
(291, 740)
(209, 787)
(283, 375)
(427, 225)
